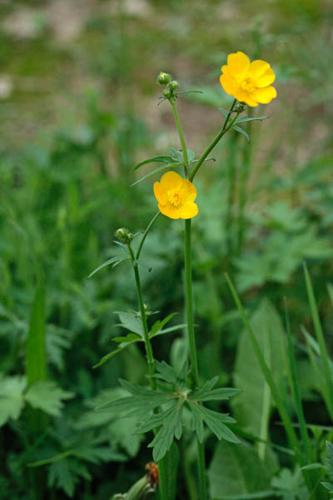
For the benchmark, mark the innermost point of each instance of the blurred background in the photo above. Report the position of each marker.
(79, 107)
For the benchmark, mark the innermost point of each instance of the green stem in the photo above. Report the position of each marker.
(181, 135)
(226, 126)
(193, 349)
(148, 347)
(189, 303)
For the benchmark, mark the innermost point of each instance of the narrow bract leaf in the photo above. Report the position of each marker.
(241, 131)
(113, 262)
(124, 342)
(155, 159)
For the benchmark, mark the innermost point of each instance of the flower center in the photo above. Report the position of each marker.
(174, 198)
(247, 84)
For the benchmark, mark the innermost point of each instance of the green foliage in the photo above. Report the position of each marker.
(11, 396)
(329, 469)
(165, 409)
(237, 472)
(46, 396)
(68, 156)
(253, 405)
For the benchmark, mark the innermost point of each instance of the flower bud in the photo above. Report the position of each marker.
(167, 93)
(173, 85)
(124, 235)
(163, 78)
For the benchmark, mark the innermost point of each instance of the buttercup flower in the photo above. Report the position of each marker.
(175, 196)
(249, 82)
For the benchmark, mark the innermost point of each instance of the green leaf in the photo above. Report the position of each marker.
(139, 403)
(113, 262)
(11, 398)
(215, 422)
(241, 131)
(220, 394)
(66, 474)
(328, 387)
(237, 471)
(171, 428)
(207, 393)
(247, 119)
(253, 405)
(131, 321)
(123, 342)
(153, 172)
(166, 372)
(159, 324)
(290, 485)
(155, 159)
(47, 396)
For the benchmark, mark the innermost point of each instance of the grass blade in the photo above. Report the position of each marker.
(266, 371)
(321, 340)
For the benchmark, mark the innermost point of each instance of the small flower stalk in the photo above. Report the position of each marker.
(160, 407)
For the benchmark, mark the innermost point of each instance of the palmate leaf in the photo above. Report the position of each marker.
(170, 429)
(161, 411)
(140, 402)
(66, 474)
(215, 422)
(11, 398)
(47, 396)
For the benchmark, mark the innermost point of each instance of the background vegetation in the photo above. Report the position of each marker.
(79, 108)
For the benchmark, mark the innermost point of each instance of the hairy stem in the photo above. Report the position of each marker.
(193, 349)
(181, 136)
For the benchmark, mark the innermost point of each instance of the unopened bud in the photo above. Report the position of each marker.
(124, 235)
(164, 78)
(173, 85)
(167, 93)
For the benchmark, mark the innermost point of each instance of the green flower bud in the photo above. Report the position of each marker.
(163, 78)
(124, 235)
(173, 85)
(167, 93)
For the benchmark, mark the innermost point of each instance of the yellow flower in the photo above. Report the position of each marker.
(249, 82)
(175, 196)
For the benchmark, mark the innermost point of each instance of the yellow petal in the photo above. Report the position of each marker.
(189, 191)
(170, 211)
(227, 84)
(170, 180)
(258, 67)
(266, 78)
(238, 62)
(246, 97)
(159, 193)
(189, 210)
(265, 95)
